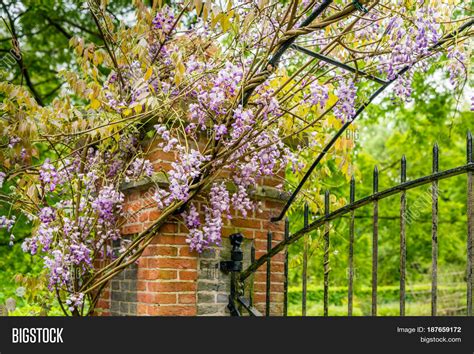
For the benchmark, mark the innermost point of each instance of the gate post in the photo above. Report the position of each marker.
(234, 266)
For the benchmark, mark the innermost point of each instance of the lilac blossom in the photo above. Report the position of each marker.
(221, 130)
(196, 240)
(268, 102)
(402, 86)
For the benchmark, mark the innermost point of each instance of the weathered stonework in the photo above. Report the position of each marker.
(123, 298)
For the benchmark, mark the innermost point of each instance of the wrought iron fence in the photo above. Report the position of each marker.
(237, 300)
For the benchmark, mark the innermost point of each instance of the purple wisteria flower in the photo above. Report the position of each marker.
(49, 176)
(13, 141)
(7, 223)
(2, 178)
(108, 203)
(139, 168)
(47, 215)
(164, 20)
(243, 122)
(346, 93)
(210, 234)
(457, 66)
(58, 266)
(80, 254)
(191, 218)
(318, 94)
(75, 301)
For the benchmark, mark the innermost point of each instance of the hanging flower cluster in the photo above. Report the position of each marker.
(198, 85)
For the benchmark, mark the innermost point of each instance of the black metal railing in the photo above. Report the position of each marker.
(323, 222)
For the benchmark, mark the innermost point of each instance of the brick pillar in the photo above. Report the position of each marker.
(170, 280)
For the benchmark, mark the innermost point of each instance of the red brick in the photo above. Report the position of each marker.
(261, 235)
(165, 298)
(259, 297)
(186, 252)
(142, 309)
(169, 228)
(275, 277)
(148, 298)
(268, 225)
(262, 287)
(155, 274)
(173, 263)
(171, 286)
(143, 216)
(161, 155)
(159, 250)
(187, 275)
(187, 298)
(132, 229)
(169, 240)
(161, 166)
(133, 206)
(280, 257)
(154, 214)
(141, 285)
(167, 274)
(270, 204)
(273, 182)
(176, 311)
(247, 223)
(103, 304)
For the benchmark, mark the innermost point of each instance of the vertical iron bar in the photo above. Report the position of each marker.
(470, 228)
(326, 255)
(285, 284)
(305, 261)
(269, 272)
(252, 261)
(403, 246)
(375, 242)
(351, 249)
(434, 234)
